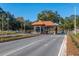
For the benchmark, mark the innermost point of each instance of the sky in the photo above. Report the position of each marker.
(30, 10)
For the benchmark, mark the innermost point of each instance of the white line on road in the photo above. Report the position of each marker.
(13, 51)
(62, 46)
(41, 49)
(48, 43)
(21, 48)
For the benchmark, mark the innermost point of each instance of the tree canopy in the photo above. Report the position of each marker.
(20, 23)
(49, 15)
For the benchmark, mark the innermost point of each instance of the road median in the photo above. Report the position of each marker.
(16, 37)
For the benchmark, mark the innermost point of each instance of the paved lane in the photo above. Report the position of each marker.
(44, 45)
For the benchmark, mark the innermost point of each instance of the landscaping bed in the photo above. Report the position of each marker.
(72, 45)
(11, 38)
(7, 32)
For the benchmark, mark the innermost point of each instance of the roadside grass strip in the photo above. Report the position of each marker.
(17, 37)
(77, 35)
(7, 32)
(75, 40)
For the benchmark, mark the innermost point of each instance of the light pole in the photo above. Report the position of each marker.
(75, 20)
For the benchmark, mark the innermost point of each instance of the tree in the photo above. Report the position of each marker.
(68, 22)
(28, 25)
(11, 21)
(49, 15)
(20, 23)
(4, 22)
(2, 19)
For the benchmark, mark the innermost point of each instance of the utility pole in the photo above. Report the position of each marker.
(75, 20)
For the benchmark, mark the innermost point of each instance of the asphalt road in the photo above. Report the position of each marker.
(43, 45)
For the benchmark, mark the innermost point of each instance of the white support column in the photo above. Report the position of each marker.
(40, 29)
(34, 28)
(43, 28)
(54, 29)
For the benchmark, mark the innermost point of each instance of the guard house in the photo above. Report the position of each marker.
(45, 27)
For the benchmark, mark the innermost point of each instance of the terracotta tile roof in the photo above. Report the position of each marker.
(39, 23)
(43, 23)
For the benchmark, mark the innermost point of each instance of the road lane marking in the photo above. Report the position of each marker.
(48, 43)
(22, 47)
(13, 51)
(42, 48)
(62, 45)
